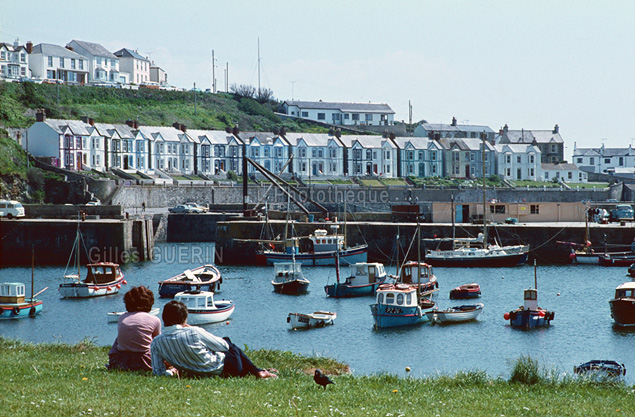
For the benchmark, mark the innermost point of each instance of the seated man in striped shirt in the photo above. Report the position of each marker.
(193, 351)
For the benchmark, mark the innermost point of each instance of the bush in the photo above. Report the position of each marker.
(526, 371)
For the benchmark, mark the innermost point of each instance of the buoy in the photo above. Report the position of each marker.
(572, 256)
(588, 243)
(118, 286)
(541, 313)
(124, 282)
(506, 316)
(558, 294)
(109, 288)
(407, 369)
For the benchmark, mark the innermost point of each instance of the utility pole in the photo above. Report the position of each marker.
(258, 67)
(227, 77)
(194, 99)
(409, 112)
(213, 73)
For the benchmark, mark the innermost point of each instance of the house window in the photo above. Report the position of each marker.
(569, 175)
(302, 152)
(607, 160)
(531, 172)
(531, 159)
(61, 62)
(22, 57)
(591, 161)
(278, 152)
(50, 59)
(369, 154)
(508, 159)
(267, 152)
(579, 160)
(81, 64)
(346, 116)
(336, 116)
(305, 114)
(410, 154)
(518, 159)
(321, 116)
(355, 116)
(369, 117)
(534, 209)
(497, 208)
(433, 156)
(621, 161)
(3, 55)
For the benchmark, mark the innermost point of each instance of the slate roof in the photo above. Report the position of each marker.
(559, 167)
(214, 136)
(129, 53)
(343, 107)
(604, 152)
(311, 139)
(94, 49)
(441, 127)
(77, 126)
(516, 147)
(528, 136)
(49, 49)
(417, 142)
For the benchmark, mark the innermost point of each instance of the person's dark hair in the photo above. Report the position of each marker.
(139, 299)
(174, 312)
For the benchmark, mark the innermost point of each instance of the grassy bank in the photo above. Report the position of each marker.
(57, 379)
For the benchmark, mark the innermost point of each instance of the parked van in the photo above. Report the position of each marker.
(11, 209)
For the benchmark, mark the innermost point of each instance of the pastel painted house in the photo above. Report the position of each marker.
(14, 60)
(103, 65)
(369, 155)
(317, 154)
(518, 162)
(134, 64)
(56, 63)
(419, 157)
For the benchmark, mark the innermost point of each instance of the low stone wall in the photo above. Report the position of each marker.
(64, 211)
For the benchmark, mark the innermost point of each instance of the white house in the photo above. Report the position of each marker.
(341, 113)
(317, 155)
(419, 157)
(14, 60)
(267, 149)
(158, 75)
(518, 162)
(603, 160)
(370, 155)
(213, 150)
(134, 64)
(549, 142)
(103, 65)
(128, 148)
(454, 130)
(56, 63)
(464, 158)
(565, 172)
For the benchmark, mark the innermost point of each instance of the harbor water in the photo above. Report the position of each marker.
(582, 329)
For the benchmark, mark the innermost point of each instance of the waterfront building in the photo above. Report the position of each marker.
(454, 130)
(464, 158)
(563, 172)
(103, 65)
(127, 147)
(549, 142)
(55, 63)
(172, 148)
(14, 60)
(158, 75)
(518, 162)
(369, 155)
(604, 160)
(317, 154)
(213, 155)
(419, 157)
(134, 64)
(349, 114)
(267, 149)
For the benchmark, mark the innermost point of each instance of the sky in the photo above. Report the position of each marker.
(527, 64)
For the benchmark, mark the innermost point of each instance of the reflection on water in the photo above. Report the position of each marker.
(581, 331)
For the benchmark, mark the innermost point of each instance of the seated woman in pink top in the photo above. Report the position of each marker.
(137, 328)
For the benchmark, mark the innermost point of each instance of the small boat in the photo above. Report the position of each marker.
(622, 259)
(202, 309)
(427, 281)
(466, 291)
(102, 278)
(400, 305)
(458, 314)
(601, 367)
(623, 305)
(113, 317)
(203, 278)
(13, 302)
(529, 315)
(289, 279)
(307, 321)
(364, 279)
(475, 253)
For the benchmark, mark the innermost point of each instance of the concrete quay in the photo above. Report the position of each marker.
(236, 241)
(120, 241)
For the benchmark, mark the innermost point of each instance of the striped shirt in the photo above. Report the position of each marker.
(188, 349)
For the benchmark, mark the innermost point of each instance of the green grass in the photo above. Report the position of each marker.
(392, 181)
(58, 379)
(370, 183)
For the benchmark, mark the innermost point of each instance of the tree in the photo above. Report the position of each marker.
(243, 90)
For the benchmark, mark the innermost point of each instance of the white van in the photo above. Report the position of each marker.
(11, 209)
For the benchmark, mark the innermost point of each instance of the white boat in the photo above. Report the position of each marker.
(288, 278)
(458, 314)
(202, 309)
(113, 317)
(204, 278)
(307, 321)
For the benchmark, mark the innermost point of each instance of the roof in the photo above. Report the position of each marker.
(94, 48)
(604, 152)
(559, 167)
(465, 144)
(123, 130)
(49, 49)
(219, 137)
(11, 47)
(528, 136)
(77, 126)
(367, 141)
(129, 53)
(516, 148)
(343, 107)
(441, 127)
(168, 133)
(417, 142)
(311, 139)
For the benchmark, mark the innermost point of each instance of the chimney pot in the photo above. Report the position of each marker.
(228, 129)
(183, 128)
(392, 135)
(453, 121)
(40, 115)
(176, 125)
(235, 130)
(135, 124)
(129, 123)
(283, 131)
(91, 121)
(556, 129)
(338, 133)
(70, 48)
(29, 47)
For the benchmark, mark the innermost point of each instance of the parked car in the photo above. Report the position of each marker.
(198, 206)
(180, 209)
(622, 212)
(11, 209)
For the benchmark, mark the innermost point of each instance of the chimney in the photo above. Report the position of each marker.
(338, 133)
(283, 131)
(91, 121)
(331, 131)
(183, 128)
(130, 123)
(392, 135)
(135, 124)
(505, 128)
(29, 47)
(40, 115)
(176, 125)
(556, 129)
(235, 130)
(453, 121)
(501, 131)
(228, 129)
(70, 48)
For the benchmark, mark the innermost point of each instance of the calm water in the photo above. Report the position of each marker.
(582, 329)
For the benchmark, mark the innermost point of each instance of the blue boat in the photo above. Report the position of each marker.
(529, 315)
(400, 305)
(364, 279)
(14, 304)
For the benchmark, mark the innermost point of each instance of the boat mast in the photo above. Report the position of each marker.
(418, 261)
(535, 276)
(77, 250)
(484, 197)
(32, 270)
(453, 225)
(344, 223)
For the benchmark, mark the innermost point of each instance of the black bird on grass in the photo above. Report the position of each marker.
(322, 379)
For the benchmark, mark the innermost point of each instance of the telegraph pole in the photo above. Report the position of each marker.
(213, 73)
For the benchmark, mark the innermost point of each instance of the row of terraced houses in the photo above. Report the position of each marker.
(441, 151)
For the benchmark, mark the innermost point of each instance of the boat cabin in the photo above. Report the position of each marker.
(292, 245)
(409, 272)
(11, 292)
(196, 300)
(399, 295)
(323, 242)
(287, 269)
(625, 290)
(365, 273)
(531, 299)
(102, 272)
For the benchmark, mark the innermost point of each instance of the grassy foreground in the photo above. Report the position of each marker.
(66, 380)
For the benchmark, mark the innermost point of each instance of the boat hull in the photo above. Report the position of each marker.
(623, 311)
(464, 294)
(348, 256)
(627, 260)
(308, 321)
(344, 291)
(170, 289)
(459, 314)
(385, 316)
(20, 310)
(85, 290)
(506, 260)
(295, 286)
(222, 312)
(202, 278)
(529, 319)
(113, 317)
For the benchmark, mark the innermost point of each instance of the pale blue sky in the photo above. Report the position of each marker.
(528, 64)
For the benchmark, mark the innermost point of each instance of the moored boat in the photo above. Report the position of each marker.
(364, 279)
(15, 305)
(102, 278)
(203, 309)
(601, 368)
(400, 305)
(289, 279)
(613, 259)
(475, 253)
(623, 305)
(457, 314)
(529, 315)
(466, 291)
(312, 320)
(426, 279)
(203, 278)
(113, 317)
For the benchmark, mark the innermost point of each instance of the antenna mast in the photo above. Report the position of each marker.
(259, 66)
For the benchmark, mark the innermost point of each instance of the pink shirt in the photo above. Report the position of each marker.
(136, 331)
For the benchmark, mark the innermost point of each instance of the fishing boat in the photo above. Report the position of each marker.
(102, 278)
(529, 315)
(623, 305)
(426, 279)
(466, 291)
(289, 279)
(603, 368)
(457, 314)
(203, 309)
(113, 317)
(364, 279)
(13, 301)
(616, 259)
(203, 278)
(312, 320)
